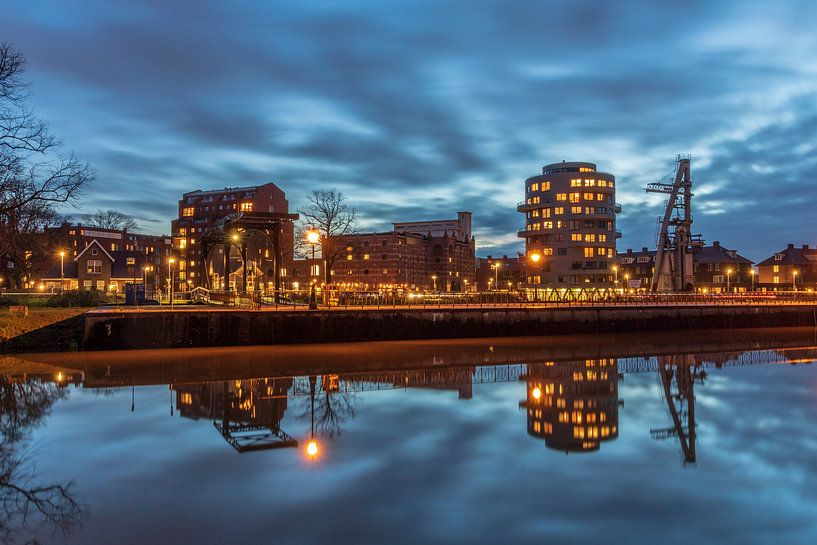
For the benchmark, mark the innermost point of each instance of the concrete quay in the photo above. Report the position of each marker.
(117, 329)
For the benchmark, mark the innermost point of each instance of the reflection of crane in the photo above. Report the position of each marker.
(673, 260)
(682, 372)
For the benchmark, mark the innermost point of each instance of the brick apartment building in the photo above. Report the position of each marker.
(118, 252)
(427, 255)
(200, 210)
(500, 273)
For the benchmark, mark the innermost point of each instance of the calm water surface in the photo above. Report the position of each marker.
(705, 439)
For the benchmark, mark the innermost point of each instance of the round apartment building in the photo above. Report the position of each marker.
(570, 227)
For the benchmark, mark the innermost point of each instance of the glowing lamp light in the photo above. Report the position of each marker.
(537, 393)
(535, 257)
(312, 448)
(235, 236)
(312, 236)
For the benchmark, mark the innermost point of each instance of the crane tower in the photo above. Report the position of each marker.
(673, 261)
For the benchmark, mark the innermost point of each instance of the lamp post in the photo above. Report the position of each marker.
(495, 267)
(626, 281)
(62, 271)
(145, 270)
(615, 275)
(728, 278)
(794, 280)
(434, 279)
(465, 281)
(536, 257)
(752, 273)
(170, 263)
(313, 237)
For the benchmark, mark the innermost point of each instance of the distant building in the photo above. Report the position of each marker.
(95, 268)
(634, 270)
(200, 210)
(570, 221)
(793, 267)
(716, 268)
(501, 273)
(427, 255)
(712, 266)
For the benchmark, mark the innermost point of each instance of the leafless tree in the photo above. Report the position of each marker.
(110, 219)
(33, 178)
(328, 213)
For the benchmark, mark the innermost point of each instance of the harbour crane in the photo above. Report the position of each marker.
(673, 271)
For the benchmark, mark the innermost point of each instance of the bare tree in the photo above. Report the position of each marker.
(328, 213)
(33, 179)
(110, 219)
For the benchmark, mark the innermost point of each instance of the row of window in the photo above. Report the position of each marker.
(560, 210)
(189, 211)
(573, 225)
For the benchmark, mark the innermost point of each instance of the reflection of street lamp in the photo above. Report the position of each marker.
(313, 237)
(62, 271)
(312, 446)
(728, 278)
(615, 272)
(627, 280)
(536, 393)
(170, 262)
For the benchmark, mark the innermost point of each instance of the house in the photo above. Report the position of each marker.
(791, 268)
(718, 269)
(96, 268)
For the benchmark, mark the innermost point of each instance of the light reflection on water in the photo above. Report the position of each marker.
(528, 443)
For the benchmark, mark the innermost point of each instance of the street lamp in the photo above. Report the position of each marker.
(752, 273)
(794, 280)
(536, 257)
(62, 271)
(466, 285)
(434, 279)
(313, 237)
(728, 277)
(170, 262)
(615, 274)
(495, 267)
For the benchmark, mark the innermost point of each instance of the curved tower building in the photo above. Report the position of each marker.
(570, 227)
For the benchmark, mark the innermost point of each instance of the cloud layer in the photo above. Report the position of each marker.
(419, 109)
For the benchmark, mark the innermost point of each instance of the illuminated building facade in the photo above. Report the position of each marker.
(790, 268)
(501, 273)
(573, 406)
(200, 210)
(570, 221)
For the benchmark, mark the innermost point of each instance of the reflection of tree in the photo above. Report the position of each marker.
(331, 409)
(23, 406)
(27, 505)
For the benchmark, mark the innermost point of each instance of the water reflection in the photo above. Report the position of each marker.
(573, 405)
(27, 503)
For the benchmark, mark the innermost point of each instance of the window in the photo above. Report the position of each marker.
(575, 209)
(545, 186)
(574, 197)
(187, 212)
(590, 237)
(559, 210)
(776, 280)
(576, 237)
(588, 252)
(546, 212)
(365, 256)
(576, 183)
(717, 278)
(778, 257)
(94, 251)
(246, 207)
(587, 197)
(534, 187)
(561, 196)
(94, 266)
(349, 257)
(776, 268)
(100, 285)
(599, 196)
(130, 261)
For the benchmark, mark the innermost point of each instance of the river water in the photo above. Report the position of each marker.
(694, 437)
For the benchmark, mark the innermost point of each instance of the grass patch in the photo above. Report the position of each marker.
(45, 319)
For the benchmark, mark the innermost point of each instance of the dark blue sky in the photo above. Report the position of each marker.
(418, 109)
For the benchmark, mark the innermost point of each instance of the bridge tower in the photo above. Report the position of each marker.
(673, 261)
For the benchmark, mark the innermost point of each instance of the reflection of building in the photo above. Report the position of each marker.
(573, 406)
(247, 413)
(459, 379)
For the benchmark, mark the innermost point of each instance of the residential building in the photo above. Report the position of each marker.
(501, 273)
(791, 268)
(570, 222)
(718, 269)
(200, 210)
(97, 268)
(634, 270)
(428, 255)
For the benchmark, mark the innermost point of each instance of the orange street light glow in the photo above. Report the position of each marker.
(312, 448)
(536, 393)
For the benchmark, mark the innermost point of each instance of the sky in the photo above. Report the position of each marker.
(418, 109)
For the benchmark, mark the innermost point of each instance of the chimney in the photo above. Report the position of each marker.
(629, 250)
(805, 246)
(716, 244)
(644, 249)
(790, 246)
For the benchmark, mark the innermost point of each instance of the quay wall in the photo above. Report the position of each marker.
(113, 330)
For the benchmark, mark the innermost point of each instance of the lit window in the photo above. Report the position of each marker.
(561, 196)
(588, 252)
(187, 212)
(246, 207)
(574, 197)
(365, 256)
(94, 266)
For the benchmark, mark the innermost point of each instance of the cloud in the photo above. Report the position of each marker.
(449, 104)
